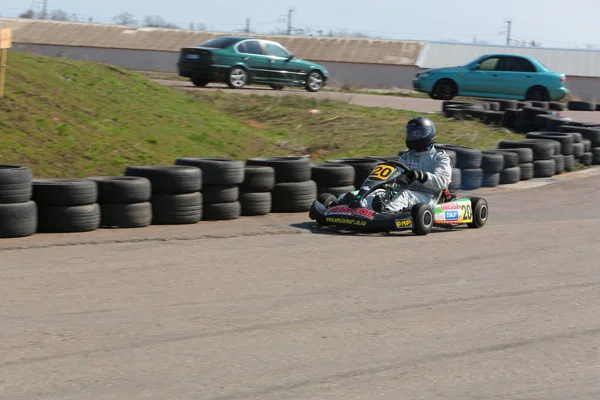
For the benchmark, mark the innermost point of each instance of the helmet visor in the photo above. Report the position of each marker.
(417, 132)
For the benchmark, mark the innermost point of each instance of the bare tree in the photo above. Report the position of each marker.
(29, 14)
(158, 22)
(125, 18)
(59, 15)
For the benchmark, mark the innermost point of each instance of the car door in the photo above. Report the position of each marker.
(279, 63)
(520, 77)
(484, 78)
(254, 57)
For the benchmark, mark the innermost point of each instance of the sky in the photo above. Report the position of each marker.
(550, 23)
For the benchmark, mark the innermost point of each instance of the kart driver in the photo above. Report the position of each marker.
(430, 171)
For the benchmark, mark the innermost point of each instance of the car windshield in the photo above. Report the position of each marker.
(219, 43)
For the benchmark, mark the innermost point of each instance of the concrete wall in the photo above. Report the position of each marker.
(586, 88)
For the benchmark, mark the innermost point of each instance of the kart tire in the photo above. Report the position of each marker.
(586, 159)
(490, 179)
(64, 219)
(64, 192)
(471, 178)
(222, 211)
(333, 174)
(258, 179)
(569, 163)
(466, 157)
(18, 219)
(131, 215)
(256, 203)
(216, 171)
(578, 149)
(492, 162)
(171, 179)
(510, 175)
(526, 171)
(587, 145)
(215, 194)
(543, 149)
(362, 167)
(596, 156)
(122, 189)
(15, 184)
(566, 141)
(326, 198)
(287, 168)
(560, 163)
(590, 133)
(480, 212)
(456, 181)
(336, 191)
(293, 196)
(177, 209)
(423, 219)
(544, 168)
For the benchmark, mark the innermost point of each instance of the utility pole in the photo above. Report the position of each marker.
(247, 30)
(44, 9)
(508, 23)
(289, 21)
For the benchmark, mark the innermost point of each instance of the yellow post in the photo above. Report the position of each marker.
(5, 44)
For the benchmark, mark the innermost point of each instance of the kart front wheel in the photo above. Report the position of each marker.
(326, 199)
(480, 212)
(422, 215)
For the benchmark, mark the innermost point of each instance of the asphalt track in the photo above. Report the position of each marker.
(275, 308)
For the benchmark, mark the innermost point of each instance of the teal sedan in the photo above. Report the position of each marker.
(240, 61)
(504, 76)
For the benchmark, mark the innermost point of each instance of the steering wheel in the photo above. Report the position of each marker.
(402, 178)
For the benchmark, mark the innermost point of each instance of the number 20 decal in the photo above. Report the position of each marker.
(381, 172)
(467, 212)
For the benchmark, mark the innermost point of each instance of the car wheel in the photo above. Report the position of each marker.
(314, 81)
(537, 93)
(480, 212)
(444, 89)
(422, 215)
(237, 78)
(277, 87)
(200, 82)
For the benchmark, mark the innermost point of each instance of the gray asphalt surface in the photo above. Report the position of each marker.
(275, 308)
(424, 105)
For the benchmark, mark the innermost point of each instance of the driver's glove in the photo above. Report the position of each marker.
(416, 175)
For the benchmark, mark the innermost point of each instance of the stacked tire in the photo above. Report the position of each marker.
(66, 205)
(124, 201)
(589, 139)
(492, 164)
(176, 197)
(221, 178)
(18, 213)
(469, 161)
(334, 178)
(565, 159)
(362, 167)
(511, 172)
(294, 190)
(255, 192)
(542, 149)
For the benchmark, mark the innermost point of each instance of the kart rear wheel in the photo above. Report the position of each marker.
(480, 212)
(326, 199)
(422, 215)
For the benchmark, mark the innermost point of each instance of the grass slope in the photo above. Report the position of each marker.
(66, 118)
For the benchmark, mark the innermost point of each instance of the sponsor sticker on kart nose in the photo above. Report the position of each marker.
(451, 215)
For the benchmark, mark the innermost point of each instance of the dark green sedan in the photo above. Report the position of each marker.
(240, 61)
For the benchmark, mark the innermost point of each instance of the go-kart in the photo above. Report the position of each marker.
(346, 211)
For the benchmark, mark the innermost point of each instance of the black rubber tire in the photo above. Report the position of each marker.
(587, 145)
(524, 154)
(559, 159)
(586, 158)
(490, 179)
(177, 209)
(543, 149)
(544, 168)
(216, 171)
(541, 121)
(257, 203)
(511, 116)
(215, 194)
(456, 179)
(258, 179)
(423, 219)
(511, 175)
(292, 197)
(511, 159)
(556, 106)
(15, 184)
(581, 106)
(583, 124)
(540, 104)
(222, 211)
(555, 122)
(122, 189)
(522, 126)
(64, 192)
(492, 162)
(326, 198)
(444, 89)
(578, 149)
(129, 215)
(471, 178)
(480, 212)
(171, 179)
(466, 157)
(537, 93)
(592, 134)
(362, 167)
(336, 190)
(287, 168)
(565, 140)
(596, 156)
(18, 219)
(64, 219)
(334, 174)
(577, 138)
(529, 113)
(521, 104)
(527, 171)
(569, 163)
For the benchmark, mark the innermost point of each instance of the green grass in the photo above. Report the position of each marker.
(67, 118)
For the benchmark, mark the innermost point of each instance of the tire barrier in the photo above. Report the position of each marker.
(255, 190)
(18, 213)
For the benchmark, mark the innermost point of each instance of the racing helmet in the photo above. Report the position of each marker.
(420, 132)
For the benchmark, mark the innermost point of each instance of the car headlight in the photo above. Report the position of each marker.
(423, 74)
